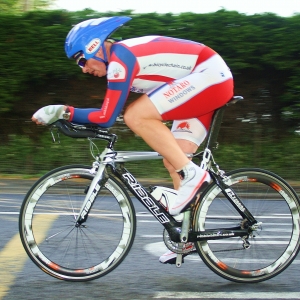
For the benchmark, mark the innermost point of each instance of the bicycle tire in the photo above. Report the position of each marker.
(53, 242)
(275, 243)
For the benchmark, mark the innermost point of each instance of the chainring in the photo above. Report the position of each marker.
(173, 246)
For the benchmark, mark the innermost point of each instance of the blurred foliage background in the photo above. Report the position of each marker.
(262, 51)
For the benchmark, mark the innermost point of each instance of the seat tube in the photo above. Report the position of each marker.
(205, 159)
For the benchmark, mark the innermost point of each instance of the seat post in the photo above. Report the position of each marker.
(211, 142)
(213, 132)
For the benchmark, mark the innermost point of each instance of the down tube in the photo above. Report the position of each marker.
(154, 207)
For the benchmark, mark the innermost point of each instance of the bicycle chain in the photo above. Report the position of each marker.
(173, 246)
(237, 249)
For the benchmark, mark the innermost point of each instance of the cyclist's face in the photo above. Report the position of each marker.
(94, 67)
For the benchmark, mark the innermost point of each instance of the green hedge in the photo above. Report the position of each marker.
(20, 156)
(32, 46)
(261, 50)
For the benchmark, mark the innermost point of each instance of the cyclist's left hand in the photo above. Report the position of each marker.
(48, 114)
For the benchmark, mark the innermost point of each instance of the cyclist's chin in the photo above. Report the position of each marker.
(99, 74)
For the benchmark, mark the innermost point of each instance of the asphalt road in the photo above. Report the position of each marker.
(140, 276)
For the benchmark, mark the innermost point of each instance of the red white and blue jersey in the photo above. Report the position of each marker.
(146, 65)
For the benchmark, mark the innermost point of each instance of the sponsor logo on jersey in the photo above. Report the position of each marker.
(93, 46)
(169, 65)
(178, 90)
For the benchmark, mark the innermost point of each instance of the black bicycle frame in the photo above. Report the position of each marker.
(234, 199)
(172, 226)
(155, 208)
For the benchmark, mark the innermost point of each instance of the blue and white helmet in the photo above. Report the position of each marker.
(88, 36)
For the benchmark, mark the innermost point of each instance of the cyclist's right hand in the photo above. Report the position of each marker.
(49, 114)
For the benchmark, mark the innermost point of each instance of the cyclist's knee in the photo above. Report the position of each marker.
(140, 111)
(132, 118)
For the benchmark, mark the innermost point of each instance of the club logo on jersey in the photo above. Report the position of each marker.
(115, 71)
(93, 46)
(183, 127)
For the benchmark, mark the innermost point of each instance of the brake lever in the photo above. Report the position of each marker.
(53, 136)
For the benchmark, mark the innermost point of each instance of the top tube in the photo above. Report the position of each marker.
(125, 156)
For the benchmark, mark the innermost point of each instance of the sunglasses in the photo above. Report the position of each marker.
(81, 60)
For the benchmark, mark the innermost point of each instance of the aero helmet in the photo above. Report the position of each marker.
(88, 36)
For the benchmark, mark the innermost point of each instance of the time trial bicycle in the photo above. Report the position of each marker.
(78, 222)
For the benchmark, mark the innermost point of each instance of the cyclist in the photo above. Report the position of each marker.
(179, 80)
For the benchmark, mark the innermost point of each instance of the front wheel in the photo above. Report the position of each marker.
(61, 247)
(270, 247)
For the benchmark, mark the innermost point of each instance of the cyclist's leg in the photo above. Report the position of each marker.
(142, 117)
(195, 95)
(145, 115)
(209, 97)
(187, 147)
(189, 134)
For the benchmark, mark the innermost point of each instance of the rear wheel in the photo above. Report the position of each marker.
(77, 253)
(272, 245)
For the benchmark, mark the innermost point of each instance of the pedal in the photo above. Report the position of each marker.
(178, 260)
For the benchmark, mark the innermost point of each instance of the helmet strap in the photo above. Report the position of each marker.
(104, 52)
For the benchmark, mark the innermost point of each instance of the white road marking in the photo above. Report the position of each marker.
(13, 256)
(226, 295)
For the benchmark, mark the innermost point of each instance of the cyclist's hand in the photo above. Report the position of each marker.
(49, 114)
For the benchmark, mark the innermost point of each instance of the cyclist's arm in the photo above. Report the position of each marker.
(120, 76)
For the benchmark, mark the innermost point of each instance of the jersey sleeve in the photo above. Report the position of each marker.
(120, 74)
